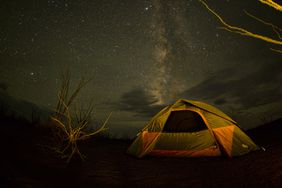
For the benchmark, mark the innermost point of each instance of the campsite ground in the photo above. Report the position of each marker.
(25, 164)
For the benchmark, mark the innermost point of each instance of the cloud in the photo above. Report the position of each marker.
(139, 102)
(244, 87)
(248, 86)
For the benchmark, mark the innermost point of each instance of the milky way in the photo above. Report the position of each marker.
(166, 15)
(142, 56)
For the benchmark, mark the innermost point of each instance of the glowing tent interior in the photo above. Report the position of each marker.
(191, 129)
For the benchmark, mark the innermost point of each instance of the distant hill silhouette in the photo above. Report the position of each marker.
(11, 106)
(267, 134)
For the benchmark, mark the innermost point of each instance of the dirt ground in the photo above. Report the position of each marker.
(25, 164)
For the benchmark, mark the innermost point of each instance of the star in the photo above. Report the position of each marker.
(152, 45)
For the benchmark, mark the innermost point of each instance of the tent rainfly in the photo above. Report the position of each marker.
(191, 129)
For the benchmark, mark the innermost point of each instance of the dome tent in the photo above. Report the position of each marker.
(191, 129)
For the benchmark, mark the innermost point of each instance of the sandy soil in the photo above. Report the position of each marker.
(25, 164)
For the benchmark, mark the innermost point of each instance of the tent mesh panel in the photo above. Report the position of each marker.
(184, 121)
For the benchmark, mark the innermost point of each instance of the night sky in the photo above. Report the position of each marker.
(142, 55)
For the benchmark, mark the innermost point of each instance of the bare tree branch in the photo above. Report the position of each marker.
(71, 123)
(276, 29)
(275, 50)
(245, 32)
(272, 4)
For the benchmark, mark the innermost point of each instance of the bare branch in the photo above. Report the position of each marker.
(71, 122)
(275, 50)
(60, 124)
(272, 4)
(99, 130)
(276, 29)
(245, 32)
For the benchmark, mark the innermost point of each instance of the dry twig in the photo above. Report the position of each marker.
(70, 125)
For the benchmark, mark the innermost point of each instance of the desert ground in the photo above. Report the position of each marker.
(25, 163)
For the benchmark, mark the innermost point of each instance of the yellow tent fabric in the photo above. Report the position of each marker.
(174, 133)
